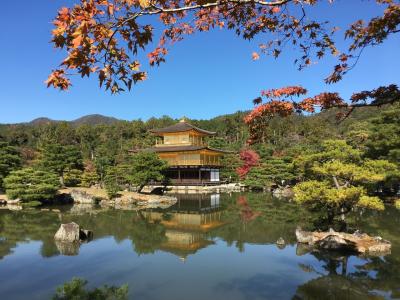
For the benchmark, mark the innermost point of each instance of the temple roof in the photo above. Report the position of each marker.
(181, 127)
(183, 148)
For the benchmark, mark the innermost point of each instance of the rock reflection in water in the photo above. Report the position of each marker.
(68, 249)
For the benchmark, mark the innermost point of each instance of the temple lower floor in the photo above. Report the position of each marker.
(193, 175)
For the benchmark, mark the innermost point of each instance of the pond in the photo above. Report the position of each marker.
(205, 247)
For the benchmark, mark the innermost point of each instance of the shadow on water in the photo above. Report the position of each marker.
(208, 232)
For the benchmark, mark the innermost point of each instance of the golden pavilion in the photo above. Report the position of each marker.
(191, 160)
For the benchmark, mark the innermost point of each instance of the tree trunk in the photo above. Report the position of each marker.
(330, 216)
(342, 217)
(337, 185)
(62, 180)
(336, 182)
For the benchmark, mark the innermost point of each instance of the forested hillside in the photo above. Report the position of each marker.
(103, 142)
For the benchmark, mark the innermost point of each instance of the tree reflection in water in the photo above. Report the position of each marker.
(233, 221)
(335, 281)
(246, 212)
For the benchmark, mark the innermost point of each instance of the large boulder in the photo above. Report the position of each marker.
(13, 201)
(71, 233)
(333, 240)
(68, 233)
(83, 197)
(283, 192)
(337, 242)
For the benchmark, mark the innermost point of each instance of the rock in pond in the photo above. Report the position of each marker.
(280, 241)
(71, 233)
(334, 240)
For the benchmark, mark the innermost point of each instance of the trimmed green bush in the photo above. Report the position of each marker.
(31, 185)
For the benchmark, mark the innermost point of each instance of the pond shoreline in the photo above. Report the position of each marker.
(95, 195)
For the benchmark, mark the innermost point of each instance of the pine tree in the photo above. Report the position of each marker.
(89, 176)
(57, 158)
(338, 180)
(116, 179)
(9, 160)
(384, 139)
(146, 166)
(31, 185)
(271, 171)
(73, 177)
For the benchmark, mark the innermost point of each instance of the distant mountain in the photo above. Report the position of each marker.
(94, 120)
(42, 121)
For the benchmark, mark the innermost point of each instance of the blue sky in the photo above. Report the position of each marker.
(206, 75)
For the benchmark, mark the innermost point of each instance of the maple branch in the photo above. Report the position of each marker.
(184, 8)
(352, 107)
(213, 4)
(134, 16)
(159, 10)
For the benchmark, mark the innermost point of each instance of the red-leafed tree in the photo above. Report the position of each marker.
(283, 102)
(250, 159)
(104, 37)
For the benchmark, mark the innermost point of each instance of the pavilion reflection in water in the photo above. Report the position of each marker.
(188, 223)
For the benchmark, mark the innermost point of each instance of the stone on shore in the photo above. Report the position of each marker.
(283, 192)
(341, 241)
(126, 199)
(13, 201)
(144, 199)
(83, 197)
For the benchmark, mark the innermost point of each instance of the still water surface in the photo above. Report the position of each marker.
(204, 247)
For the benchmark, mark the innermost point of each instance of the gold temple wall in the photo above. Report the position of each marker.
(190, 158)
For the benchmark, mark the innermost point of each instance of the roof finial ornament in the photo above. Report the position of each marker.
(182, 120)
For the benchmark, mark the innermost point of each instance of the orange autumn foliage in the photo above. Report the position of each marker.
(105, 37)
(282, 103)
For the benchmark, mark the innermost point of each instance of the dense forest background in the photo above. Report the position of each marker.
(104, 141)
